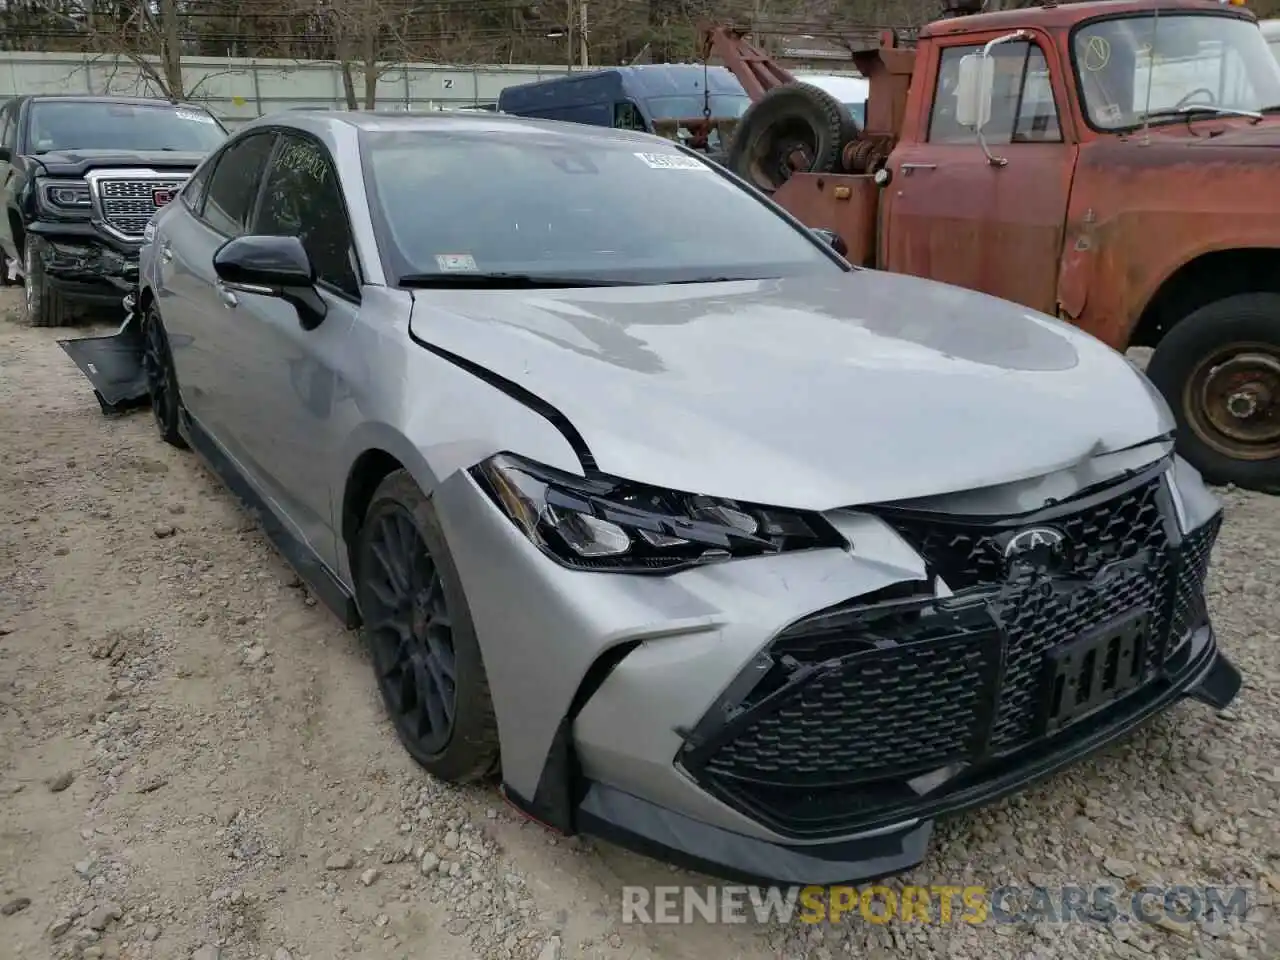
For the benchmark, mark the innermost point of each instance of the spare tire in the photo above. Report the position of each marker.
(793, 128)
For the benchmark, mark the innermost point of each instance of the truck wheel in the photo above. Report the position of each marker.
(1219, 369)
(793, 128)
(44, 307)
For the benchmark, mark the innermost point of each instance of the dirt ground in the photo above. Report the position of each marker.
(194, 761)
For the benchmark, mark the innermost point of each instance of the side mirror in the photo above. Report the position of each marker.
(272, 267)
(974, 88)
(831, 239)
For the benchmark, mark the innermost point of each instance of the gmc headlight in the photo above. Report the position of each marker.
(605, 523)
(68, 195)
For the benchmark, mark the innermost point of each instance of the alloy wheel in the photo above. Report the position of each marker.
(159, 373)
(410, 631)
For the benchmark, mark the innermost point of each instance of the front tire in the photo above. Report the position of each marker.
(162, 379)
(1219, 369)
(418, 628)
(45, 307)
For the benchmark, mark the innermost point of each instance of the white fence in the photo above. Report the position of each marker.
(239, 90)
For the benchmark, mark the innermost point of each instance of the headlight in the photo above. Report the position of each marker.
(605, 523)
(65, 194)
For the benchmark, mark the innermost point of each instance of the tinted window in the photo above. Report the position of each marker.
(523, 199)
(194, 190)
(7, 126)
(303, 199)
(72, 125)
(233, 187)
(1129, 67)
(1022, 105)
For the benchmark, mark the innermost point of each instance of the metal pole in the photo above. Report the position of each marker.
(582, 32)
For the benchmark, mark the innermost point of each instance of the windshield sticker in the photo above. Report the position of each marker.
(670, 161)
(456, 262)
(194, 115)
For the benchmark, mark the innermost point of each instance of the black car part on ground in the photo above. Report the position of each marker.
(113, 364)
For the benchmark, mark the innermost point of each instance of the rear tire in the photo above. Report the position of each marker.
(45, 307)
(790, 117)
(1219, 370)
(419, 631)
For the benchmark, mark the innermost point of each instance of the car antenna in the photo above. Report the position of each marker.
(1151, 75)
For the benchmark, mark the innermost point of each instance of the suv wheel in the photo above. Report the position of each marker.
(45, 307)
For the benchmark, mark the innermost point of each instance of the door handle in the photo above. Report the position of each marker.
(919, 166)
(228, 298)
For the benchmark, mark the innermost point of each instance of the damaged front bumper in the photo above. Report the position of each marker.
(637, 824)
(84, 264)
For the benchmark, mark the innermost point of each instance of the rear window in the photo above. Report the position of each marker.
(79, 125)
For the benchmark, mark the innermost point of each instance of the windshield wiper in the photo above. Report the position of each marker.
(1192, 108)
(505, 281)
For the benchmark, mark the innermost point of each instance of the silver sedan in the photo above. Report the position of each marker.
(641, 495)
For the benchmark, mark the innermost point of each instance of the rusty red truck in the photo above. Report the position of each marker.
(1111, 163)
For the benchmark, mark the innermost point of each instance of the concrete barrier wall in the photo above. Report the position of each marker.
(238, 90)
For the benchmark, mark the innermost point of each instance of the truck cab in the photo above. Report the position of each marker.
(1113, 164)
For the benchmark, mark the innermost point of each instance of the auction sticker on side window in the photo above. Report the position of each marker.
(455, 262)
(671, 161)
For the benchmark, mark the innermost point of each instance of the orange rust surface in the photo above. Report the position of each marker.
(819, 200)
(1088, 228)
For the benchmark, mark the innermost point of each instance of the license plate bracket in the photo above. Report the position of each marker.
(1093, 670)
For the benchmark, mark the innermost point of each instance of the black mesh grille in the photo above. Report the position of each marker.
(968, 552)
(1188, 599)
(918, 705)
(1040, 617)
(857, 700)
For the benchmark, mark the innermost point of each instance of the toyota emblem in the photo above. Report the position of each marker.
(161, 196)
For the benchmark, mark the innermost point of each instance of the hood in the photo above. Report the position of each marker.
(1262, 135)
(807, 393)
(76, 163)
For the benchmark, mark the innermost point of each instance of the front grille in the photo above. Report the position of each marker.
(129, 204)
(941, 674)
(852, 705)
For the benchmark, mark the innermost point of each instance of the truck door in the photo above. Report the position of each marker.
(953, 215)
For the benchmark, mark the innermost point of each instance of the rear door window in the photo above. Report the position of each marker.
(233, 188)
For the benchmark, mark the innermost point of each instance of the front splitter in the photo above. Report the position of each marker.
(646, 828)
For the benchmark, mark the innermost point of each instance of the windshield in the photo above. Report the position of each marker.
(545, 204)
(725, 106)
(83, 125)
(1132, 66)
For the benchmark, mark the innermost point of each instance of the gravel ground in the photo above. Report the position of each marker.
(194, 763)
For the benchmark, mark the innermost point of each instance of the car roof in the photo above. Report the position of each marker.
(447, 121)
(120, 101)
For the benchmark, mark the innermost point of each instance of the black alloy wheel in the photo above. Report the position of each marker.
(420, 636)
(162, 380)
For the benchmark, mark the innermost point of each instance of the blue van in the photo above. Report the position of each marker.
(629, 97)
(634, 97)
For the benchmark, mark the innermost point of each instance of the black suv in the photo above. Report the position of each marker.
(81, 177)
